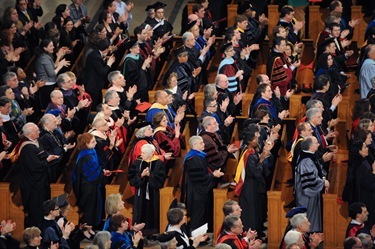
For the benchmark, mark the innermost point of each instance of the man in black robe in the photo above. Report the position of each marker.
(33, 165)
(197, 180)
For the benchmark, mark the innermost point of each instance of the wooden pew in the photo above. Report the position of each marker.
(232, 14)
(359, 30)
(316, 22)
(10, 211)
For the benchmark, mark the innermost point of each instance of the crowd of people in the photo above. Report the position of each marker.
(47, 115)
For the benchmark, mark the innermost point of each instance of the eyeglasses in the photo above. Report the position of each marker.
(55, 209)
(212, 105)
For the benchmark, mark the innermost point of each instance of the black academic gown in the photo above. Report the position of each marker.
(146, 198)
(34, 181)
(89, 190)
(198, 184)
(253, 196)
(135, 75)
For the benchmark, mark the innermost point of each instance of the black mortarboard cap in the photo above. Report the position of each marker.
(242, 7)
(190, 25)
(142, 124)
(326, 42)
(130, 44)
(179, 50)
(155, 6)
(61, 200)
(296, 210)
(225, 46)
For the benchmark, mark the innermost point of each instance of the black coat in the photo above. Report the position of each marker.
(95, 76)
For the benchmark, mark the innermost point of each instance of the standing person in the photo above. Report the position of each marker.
(147, 175)
(32, 163)
(279, 69)
(96, 71)
(136, 70)
(197, 182)
(47, 69)
(88, 184)
(310, 181)
(253, 197)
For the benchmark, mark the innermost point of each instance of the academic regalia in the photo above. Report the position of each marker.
(253, 197)
(168, 111)
(136, 151)
(292, 37)
(167, 140)
(146, 198)
(88, 187)
(197, 186)
(308, 188)
(104, 153)
(365, 189)
(34, 181)
(51, 232)
(233, 240)
(66, 124)
(273, 112)
(160, 28)
(8, 242)
(135, 75)
(124, 241)
(354, 228)
(279, 72)
(216, 151)
(53, 144)
(185, 79)
(229, 67)
(71, 100)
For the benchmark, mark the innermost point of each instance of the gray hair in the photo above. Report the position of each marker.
(52, 94)
(101, 238)
(109, 95)
(97, 120)
(365, 239)
(140, 132)
(187, 35)
(312, 103)
(292, 237)
(297, 220)
(8, 76)
(194, 140)
(312, 113)
(148, 149)
(61, 79)
(209, 90)
(112, 75)
(46, 118)
(206, 121)
(27, 128)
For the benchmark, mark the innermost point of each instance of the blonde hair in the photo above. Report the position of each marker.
(111, 203)
(30, 233)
